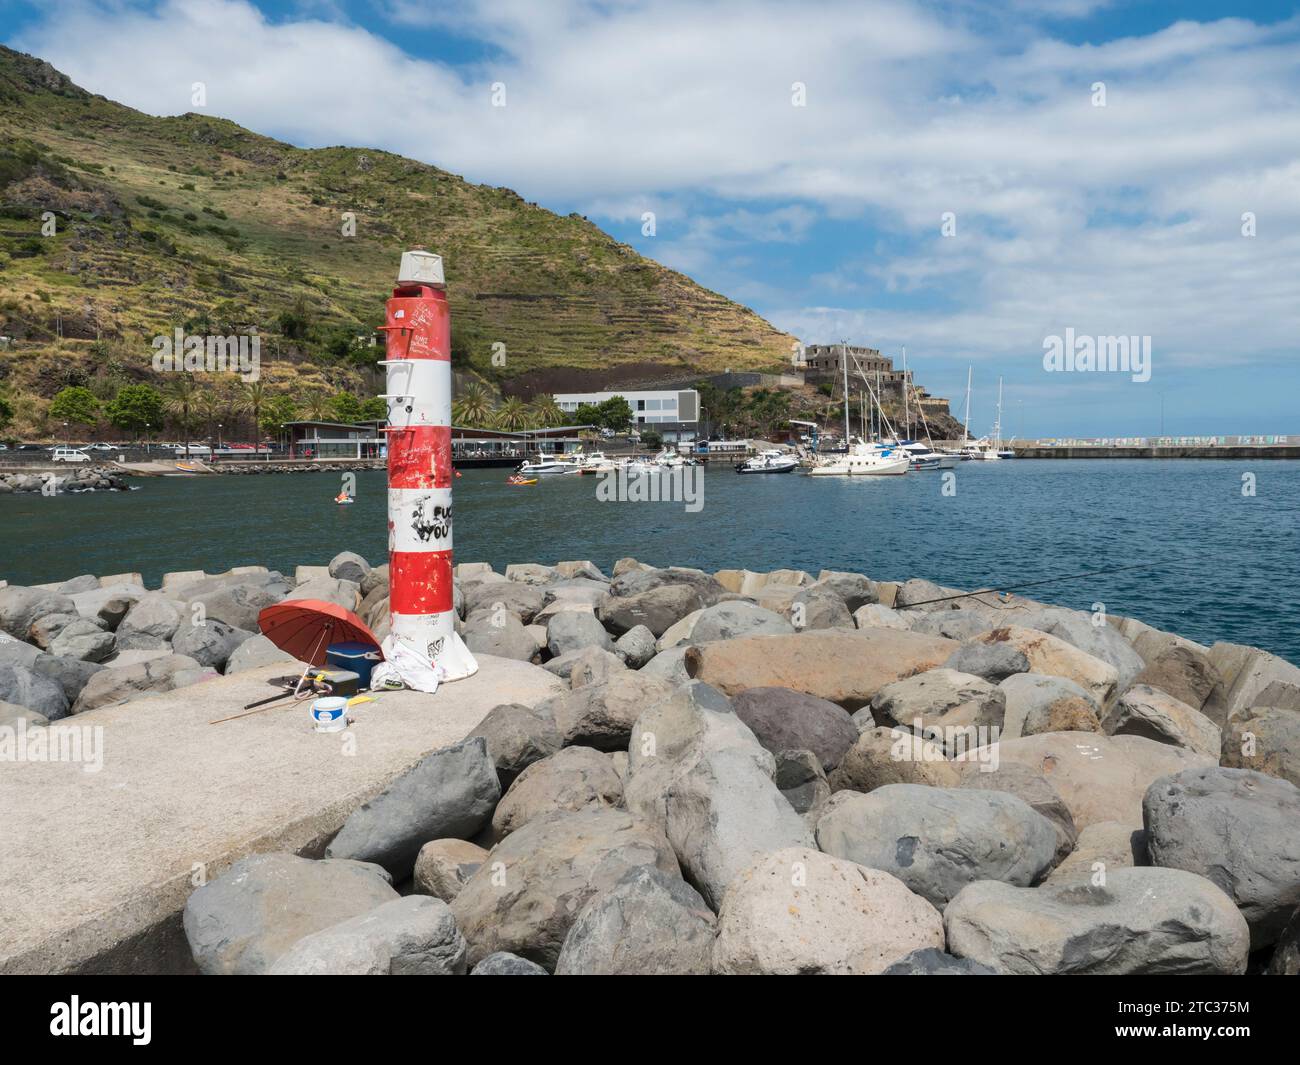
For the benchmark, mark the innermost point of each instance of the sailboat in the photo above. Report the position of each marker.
(862, 459)
(989, 448)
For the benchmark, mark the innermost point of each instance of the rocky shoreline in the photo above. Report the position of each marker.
(746, 773)
(232, 469)
(78, 479)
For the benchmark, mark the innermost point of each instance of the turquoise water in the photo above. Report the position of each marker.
(1222, 565)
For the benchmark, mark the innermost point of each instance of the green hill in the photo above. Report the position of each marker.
(195, 222)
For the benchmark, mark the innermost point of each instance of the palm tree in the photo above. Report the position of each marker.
(179, 397)
(252, 396)
(473, 408)
(513, 415)
(317, 406)
(546, 412)
(209, 404)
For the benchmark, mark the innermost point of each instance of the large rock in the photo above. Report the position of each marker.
(502, 635)
(602, 715)
(636, 647)
(574, 630)
(723, 812)
(444, 865)
(958, 709)
(797, 911)
(1147, 711)
(1057, 658)
(348, 566)
(254, 652)
(846, 666)
(594, 666)
(119, 684)
(783, 719)
(801, 779)
(1042, 699)
(26, 687)
(450, 793)
(1238, 828)
(934, 962)
(874, 615)
(1286, 954)
(1030, 787)
(728, 620)
(672, 735)
(669, 666)
(1101, 847)
(1177, 666)
(656, 598)
(1091, 634)
(818, 607)
(151, 622)
(529, 890)
(210, 644)
(992, 661)
(516, 738)
(412, 936)
(648, 924)
(346, 594)
(496, 598)
(242, 922)
(85, 639)
(503, 963)
(953, 624)
(17, 652)
(884, 755)
(1244, 674)
(14, 716)
(45, 629)
(19, 607)
(938, 840)
(531, 573)
(237, 598)
(1266, 739)
(856, 589)
(576, 778)
(1100, 778)
(1141, 922)
(71, 674)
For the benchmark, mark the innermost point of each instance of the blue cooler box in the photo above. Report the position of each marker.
(359, 657)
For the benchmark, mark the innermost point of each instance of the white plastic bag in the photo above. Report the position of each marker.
(413, 668)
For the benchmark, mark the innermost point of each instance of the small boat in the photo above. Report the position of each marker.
(185, 467)
(772, 461)
(516, 479)
(344, 501)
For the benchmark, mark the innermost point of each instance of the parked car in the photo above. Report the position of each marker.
(30, 447)
(69, 454)
(101, 447)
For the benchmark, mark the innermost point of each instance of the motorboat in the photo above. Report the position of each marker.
(668, 459)
(924, 457)
(865, 461)
(773, 461)
(551, 465)
(595, 462)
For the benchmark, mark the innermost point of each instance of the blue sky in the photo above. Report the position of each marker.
(1116, 215)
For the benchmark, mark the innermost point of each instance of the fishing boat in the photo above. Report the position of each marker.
(773, 461)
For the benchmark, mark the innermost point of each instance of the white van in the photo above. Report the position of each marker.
(69, 454)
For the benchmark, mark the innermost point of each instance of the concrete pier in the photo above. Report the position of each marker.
(95, 867)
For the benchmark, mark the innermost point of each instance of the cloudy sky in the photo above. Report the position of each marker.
(1100, 165)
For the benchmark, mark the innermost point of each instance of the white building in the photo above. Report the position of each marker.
(674, 414)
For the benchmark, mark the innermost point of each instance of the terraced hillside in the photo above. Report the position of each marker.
(193, 221)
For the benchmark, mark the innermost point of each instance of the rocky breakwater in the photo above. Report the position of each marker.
(788, 773)
(80, 479)
(305, 466)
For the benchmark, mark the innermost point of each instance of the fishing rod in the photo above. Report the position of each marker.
(1031, 584)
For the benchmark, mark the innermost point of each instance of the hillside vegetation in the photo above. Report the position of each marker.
(195, 222)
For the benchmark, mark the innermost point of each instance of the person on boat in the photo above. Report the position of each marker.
(343, 497)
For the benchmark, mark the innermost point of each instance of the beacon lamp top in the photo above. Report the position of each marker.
(421, 268)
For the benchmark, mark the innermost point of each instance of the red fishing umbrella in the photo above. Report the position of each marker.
(304, 628)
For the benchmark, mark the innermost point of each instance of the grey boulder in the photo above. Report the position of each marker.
(650, 923)
(36, 692)
(933, 962)
(503, 963)
(450, 793)
(635, 647)
(782, 719)
(348, 566)
(516, 738)
(575, 778)
(575, 630)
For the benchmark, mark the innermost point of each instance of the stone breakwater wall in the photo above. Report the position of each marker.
(746, 772)
(66, 479)
(245, 468)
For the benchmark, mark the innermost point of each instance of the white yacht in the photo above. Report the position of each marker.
(773, 461)
(865, 461)
(551, 465)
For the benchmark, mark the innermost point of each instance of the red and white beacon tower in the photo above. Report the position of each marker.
(418, 364)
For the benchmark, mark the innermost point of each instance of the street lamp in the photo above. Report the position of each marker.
(146, 438)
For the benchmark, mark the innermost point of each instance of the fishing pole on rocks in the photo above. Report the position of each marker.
(1030, 584)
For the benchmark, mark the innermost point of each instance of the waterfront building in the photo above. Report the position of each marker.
(672, 413)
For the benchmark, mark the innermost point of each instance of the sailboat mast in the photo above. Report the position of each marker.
(844, 360)
(965, 429)
(997, 429)
(907, 420)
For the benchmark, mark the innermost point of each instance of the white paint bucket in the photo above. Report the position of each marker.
(330, 714)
